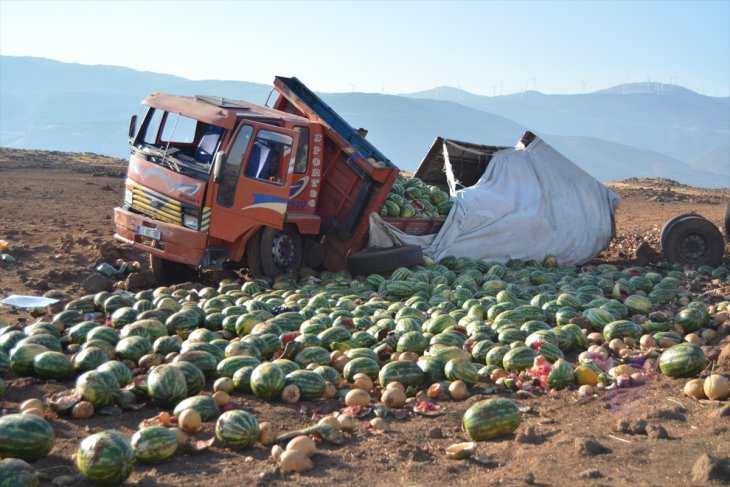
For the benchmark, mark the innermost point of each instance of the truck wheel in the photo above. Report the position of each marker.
(272, 252)
(382, 260)
(692, 240)
(169, 272)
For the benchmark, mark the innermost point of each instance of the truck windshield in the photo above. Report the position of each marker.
(180, 143)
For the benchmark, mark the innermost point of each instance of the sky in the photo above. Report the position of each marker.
(484, 47)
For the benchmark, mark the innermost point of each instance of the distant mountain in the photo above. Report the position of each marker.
(50, 105)
(668, 119)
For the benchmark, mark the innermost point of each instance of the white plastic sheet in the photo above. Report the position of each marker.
(530, 202)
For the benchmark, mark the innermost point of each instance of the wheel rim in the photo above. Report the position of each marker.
(282, 250)
(693, 247)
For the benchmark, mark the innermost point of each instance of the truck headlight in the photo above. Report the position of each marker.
(191, 221)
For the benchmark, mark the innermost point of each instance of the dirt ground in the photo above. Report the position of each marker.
(56, 214)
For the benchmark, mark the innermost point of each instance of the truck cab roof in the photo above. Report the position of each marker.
(217, 110)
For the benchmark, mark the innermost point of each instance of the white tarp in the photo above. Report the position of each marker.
(530, 202)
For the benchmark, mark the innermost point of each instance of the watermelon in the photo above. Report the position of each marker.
(310, 383)
(154, 444)
(89, 359)
(22, 357)
(561, 375)
(242, 378)
(463, 370)
(123, 316)
(49, 341)
(99, 388)
(690, 319)
(194, 377)
(105, 458)
(204, 361)
(52, 365)
(121, 371)
(637, 304)
(407, 373)
(25, 436)
(495, 355)
(17, 473)
(204, 405)
(228, 366)
(518, 358)
(267, 381)
(491, 418)
(166, 384)
(598, 318)
(133, 348)
(365, 365)
(330, 374)
(683, 360)
(622, 329)
(317, 355)
(237, 429)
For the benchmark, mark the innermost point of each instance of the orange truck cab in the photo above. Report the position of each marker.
(214, 182)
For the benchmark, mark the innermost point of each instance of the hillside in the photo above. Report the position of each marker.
(50, 105)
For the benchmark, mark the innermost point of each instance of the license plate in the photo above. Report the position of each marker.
(148, 232)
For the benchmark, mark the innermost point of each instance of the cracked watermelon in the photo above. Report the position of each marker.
(105, 458)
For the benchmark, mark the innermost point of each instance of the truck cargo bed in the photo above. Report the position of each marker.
(416, 226)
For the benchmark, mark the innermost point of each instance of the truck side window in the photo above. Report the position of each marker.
(269, 157)
(232, 167)
(152, 127)
(300, 162)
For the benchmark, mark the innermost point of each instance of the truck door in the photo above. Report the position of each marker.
(255, 181)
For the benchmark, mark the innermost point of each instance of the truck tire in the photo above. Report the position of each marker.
(692, 240)
(378, 260)
(169, 272)
(272, 252)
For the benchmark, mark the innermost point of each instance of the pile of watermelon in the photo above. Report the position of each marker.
(412, 198)
(522, 325)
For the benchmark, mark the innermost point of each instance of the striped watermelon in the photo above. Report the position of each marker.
(204, 361)
(154, 444)
(561, 375)
(433, 368)
(462, 370)
(228, 366)
(204, 405)
(491, 418)
(166, 384)
(407, 373)
(518, 358)
(121, 371)
(365, 365)
(194, 377)
(309, 355)
(495, 355)
(267, 381)
(598, 318)
(637, 304)
(690, 319)
(310, 383)
(52, 365)
(683, 360)
(105, 458)
(88, 359)
(622, 329)
(242, 378)
(17, 473)
(25, 436)
(99, 388)
(237, 429)
(22, 357)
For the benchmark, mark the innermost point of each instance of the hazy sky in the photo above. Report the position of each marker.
(486, 47)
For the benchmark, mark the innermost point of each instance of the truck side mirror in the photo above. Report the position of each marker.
(218, 165)
(132, 127)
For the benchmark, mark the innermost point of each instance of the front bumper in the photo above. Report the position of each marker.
(176, 243)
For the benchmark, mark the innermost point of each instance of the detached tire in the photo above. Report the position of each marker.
(690, 239)
(169, 272)
(383, 260)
